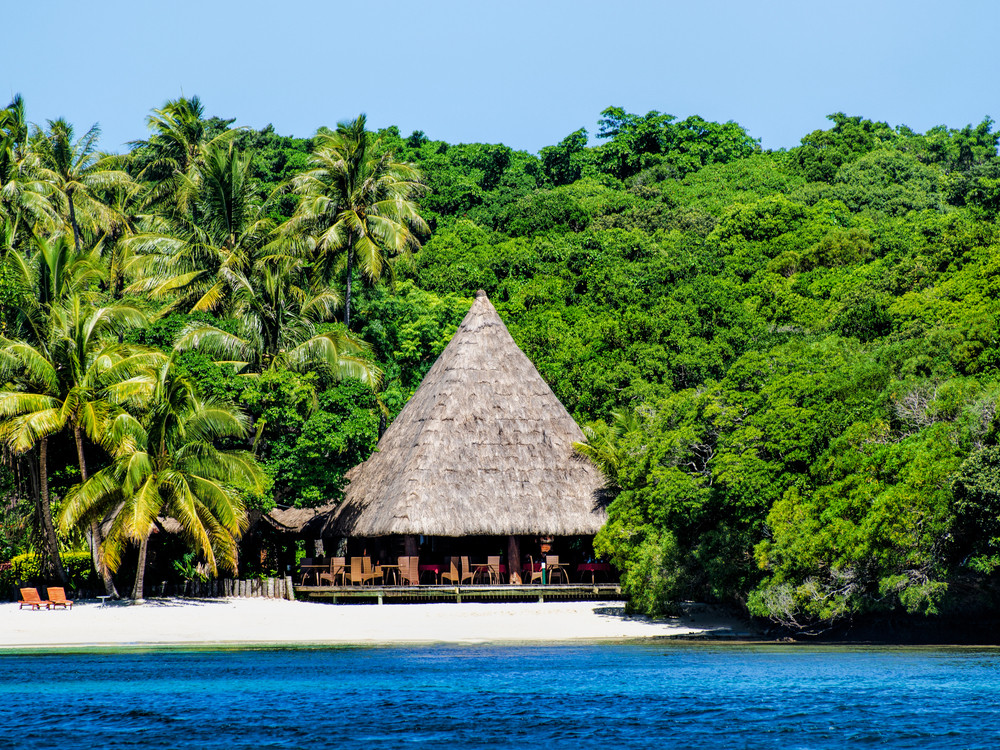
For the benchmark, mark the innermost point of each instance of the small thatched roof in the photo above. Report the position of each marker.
(299, 520)
(484, 447)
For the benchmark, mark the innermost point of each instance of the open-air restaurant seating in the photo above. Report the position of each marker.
(456, 570)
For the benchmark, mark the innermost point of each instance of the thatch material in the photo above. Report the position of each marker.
(299, 521)
(484, 447)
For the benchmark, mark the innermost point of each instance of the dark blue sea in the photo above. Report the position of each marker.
(607, 697)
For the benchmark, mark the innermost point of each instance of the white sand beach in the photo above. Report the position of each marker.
(271, 621)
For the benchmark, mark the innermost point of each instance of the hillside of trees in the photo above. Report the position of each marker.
(785, 361)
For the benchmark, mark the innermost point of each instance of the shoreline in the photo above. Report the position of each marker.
(274, 623)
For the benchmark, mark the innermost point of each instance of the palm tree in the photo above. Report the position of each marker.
(199, 263)
(54, 273)
(62, 383)
(21, 193)
(166, 464)
(77, 174)
(358, 203)
(176, 150)
(277, 323)
(607, 445)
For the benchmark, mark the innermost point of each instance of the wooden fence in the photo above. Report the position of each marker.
(254, 588)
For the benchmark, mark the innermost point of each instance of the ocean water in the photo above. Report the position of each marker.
(669, 695)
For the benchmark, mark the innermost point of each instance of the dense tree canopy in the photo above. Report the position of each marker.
(786, 362)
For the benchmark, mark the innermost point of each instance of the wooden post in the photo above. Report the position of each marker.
(513, 555)
(411, 548)
(289, 589)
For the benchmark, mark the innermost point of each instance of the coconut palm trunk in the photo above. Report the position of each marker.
(140, 570)
(350, 272)
(45, 510)
(77, 238)
(94, 533)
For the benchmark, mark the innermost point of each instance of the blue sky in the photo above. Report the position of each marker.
(522, 73)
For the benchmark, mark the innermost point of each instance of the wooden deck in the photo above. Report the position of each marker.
(481, 593)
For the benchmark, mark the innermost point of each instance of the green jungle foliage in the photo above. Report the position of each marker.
(786, 362)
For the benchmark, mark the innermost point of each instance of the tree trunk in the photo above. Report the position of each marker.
(513, 555)
(411, 545)
(350, 272)
(140, 571)
(51, 541)
(94, 534)
(77, 239)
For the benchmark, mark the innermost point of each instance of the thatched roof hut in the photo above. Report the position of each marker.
(483, 447)
(299, 521)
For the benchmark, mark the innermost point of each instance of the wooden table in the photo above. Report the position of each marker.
(594, 569)
(430, 568)
(550, 568)
(314, 571)
(382, 566)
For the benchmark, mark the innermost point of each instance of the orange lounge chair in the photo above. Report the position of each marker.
(30, 598)
(57, 597)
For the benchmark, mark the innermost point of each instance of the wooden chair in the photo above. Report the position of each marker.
(372, 571)
(30, 598)
(493, 565)
(452, 573)
(304, 571)
(468, 572)
(554, 568)
(57, 597)
(338, 571)
(360, 571)
(535, 575)
(409, 571)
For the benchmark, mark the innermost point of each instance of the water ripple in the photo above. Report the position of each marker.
(619, 696)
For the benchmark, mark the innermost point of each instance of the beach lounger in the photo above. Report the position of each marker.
(57, 597)
(30, 598)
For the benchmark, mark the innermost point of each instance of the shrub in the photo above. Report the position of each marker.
(27, 569)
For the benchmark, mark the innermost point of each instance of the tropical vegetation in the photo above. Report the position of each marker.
(786, 362)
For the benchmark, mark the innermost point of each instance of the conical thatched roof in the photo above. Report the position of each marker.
(484, 447)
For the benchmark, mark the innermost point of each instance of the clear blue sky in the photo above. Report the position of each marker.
(522, 73)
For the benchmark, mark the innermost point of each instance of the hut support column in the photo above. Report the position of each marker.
(410, 546)
(513, 555)
(318, 550)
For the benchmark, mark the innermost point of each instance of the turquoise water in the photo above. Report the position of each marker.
(590, 696)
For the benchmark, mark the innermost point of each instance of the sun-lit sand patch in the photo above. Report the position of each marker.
(229, 621)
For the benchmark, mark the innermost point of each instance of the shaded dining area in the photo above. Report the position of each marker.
(474, 486)
(464, 570)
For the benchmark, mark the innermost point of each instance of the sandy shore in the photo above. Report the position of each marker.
(268, 621)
